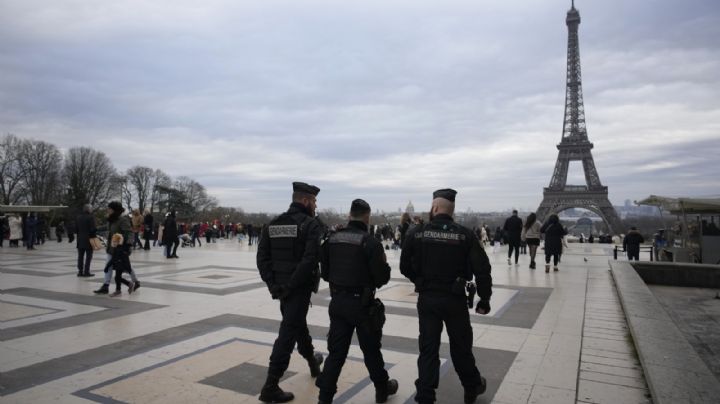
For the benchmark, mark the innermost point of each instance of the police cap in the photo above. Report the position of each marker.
(446, 193)
(359, 207)
(305, 188)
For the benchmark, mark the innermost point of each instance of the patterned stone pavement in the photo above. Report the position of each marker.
(201, 327)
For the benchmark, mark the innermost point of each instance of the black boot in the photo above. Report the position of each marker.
(471, 394)
(314, 363)
(104, 290)
(272, 393)
(382, 392)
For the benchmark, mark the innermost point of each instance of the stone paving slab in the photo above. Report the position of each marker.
(673, 369)
(553, 338)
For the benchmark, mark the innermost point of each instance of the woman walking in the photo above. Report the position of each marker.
(531, 236)
(137, 223)
(170, 236)
(554, 233)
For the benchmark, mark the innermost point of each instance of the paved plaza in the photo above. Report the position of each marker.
(200, 329)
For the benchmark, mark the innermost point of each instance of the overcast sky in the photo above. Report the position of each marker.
(384, 100)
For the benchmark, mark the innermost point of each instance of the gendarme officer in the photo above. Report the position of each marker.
(440, 257)
(354, 264)
(287, 258)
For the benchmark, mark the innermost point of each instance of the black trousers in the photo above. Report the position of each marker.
(347, 316)
(174, 247)
(555, 257)
(83, 266)
(633, 253)
(434, 310)
(293, 330)
(513, 245)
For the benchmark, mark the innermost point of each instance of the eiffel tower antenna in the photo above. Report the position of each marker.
(575, 146)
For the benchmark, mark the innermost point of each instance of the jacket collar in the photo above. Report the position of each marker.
(298, 207)
(442, 216)
(356, 224)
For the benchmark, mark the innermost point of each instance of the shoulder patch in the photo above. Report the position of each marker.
(283, 231)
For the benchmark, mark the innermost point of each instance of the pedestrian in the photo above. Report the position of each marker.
(117, 224)
(196, 235)
(148, 222)
(287, 258)
(355, 265)
(170, 236)
(512, 229)
(85, 231)
(554, 233)
(405, 223)
(15, 226)
(136, 220)
(30, 231)
(4, 229)
(251, 233)
(440, 258)
(117, 243)
(40, 230)
(531, 236)
(497, 239)
(631, 244)
(208, 233)
(59, 230)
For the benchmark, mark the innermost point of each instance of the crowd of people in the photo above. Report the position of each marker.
(30, 229)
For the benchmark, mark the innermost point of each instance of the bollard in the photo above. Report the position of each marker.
(615, 253)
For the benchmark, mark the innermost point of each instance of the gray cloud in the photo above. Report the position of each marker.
(381, 100)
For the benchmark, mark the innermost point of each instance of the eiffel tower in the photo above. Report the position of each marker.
(575, 146)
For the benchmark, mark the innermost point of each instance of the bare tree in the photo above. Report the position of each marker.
(41, 164)
(11, 174)
(157, 182)
(88, 174)
(121, 186)
(140, 180)
(195, 194)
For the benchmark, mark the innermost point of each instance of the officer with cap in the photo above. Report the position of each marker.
(287, 258)
(440, 257)
(354, 264)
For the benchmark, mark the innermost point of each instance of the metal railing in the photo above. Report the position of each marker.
(643, 248)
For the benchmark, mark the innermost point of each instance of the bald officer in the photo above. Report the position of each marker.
(287, 258)
(440, 257)
(354, 264)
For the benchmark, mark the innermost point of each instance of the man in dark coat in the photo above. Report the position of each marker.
(513, 230)
(631, 244)
(148, 221)
(170, 236)
(287, 258)
(85, 223)
(30, 231)
(354, 264)
(440, 257)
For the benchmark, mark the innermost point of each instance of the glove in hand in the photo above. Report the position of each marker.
(483, 307)
(279, 291)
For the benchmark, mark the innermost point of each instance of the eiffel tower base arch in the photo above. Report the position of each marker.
(555, 202)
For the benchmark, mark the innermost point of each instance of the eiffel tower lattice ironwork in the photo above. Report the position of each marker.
(575, 146)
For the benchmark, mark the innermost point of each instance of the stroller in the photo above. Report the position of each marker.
(186, 241)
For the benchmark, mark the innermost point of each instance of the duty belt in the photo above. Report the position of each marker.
(347, 290)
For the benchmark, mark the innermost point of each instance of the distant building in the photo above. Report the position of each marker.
(584, 226)
(410, 209)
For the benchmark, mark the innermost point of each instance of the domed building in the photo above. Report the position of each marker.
(410, 209)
